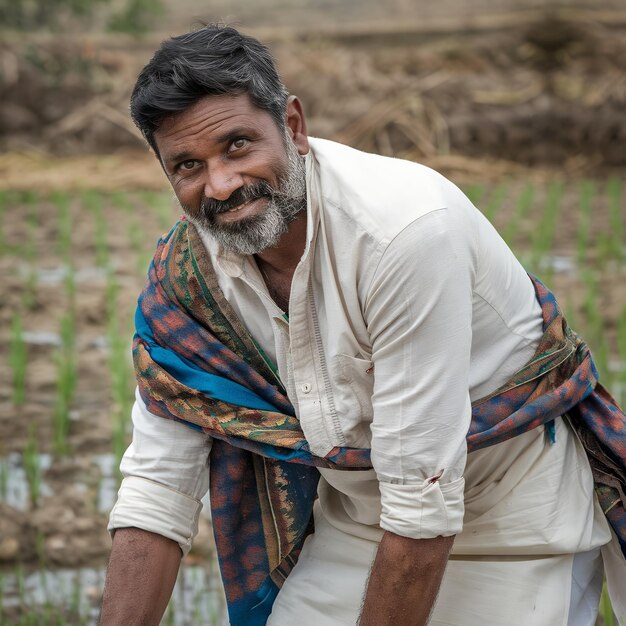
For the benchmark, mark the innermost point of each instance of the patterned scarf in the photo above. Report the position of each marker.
(196, 363)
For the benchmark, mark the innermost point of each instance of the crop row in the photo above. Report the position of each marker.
(98, 245)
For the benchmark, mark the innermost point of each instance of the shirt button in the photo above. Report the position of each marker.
(306, 387)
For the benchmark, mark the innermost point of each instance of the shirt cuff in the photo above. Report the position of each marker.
(144, 504)
(424, 510)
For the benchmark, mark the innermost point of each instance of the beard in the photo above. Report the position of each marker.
(256, 233)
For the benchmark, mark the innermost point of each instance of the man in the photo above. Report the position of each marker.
(324, 307)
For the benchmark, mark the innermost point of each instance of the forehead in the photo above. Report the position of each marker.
(211, 118)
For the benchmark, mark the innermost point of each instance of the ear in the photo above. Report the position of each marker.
(296, 124)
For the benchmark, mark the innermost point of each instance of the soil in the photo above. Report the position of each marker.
(528, 100)
(536, 88)
(68, 520)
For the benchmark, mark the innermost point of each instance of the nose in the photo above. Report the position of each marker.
(221, 181)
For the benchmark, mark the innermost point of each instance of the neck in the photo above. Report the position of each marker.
(285, 256)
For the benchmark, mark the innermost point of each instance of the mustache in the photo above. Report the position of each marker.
(211, 207)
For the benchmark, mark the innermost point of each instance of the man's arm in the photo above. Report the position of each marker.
(420, 325)
(405, 580)
(140, 578)
(155, 517)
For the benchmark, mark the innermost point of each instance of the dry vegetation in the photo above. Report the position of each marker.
(529, 89)
(525, 112)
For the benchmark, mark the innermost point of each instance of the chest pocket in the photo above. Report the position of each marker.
(353, 385)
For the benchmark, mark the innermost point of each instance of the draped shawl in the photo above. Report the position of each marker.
(196, 363)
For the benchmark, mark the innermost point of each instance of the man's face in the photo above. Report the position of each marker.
(235, 173)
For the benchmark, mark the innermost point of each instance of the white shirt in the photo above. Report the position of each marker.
(405, 307)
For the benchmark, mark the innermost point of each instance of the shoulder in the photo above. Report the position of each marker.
(381, 195)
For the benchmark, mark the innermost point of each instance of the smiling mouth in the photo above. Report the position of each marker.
(245, 209)
(241, 206)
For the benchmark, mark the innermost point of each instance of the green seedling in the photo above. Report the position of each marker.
(586, 194)
(590, 303)
(522, 207)
(121, 200)
(571, 316)
(18, 359)
(112, 291)
(137, 242)
(136, 233)
(64, 221)
(20, 579)
(119, 439)
(30, 202)
(543, 236)
(604, 249)
(616, 218)
(4, 201)
(67, 375)
(40, 550)
(29, 249)
(601, 355)
(21, 583)
(621, 350)
(92, 201)
(64, 244)
(494, 203)
(70, 287)
(4, 483)
(121, 377)
(120, 372)
(475, 193)
(197, 618)
(161, 203)
(594, 330)
(216, 607)
(621, 336)
(32, 465)
(29, 298)
(76, 596)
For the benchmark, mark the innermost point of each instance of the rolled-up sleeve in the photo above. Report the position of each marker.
(419, 318)
(165, 475)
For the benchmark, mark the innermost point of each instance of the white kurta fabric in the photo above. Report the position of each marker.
(326, 588)
(405, 307)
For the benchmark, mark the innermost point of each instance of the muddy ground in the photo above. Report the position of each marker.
(67, 527)
(520, 100)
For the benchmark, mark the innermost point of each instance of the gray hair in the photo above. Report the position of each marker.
(215, 60)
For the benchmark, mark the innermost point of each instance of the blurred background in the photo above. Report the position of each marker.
(520, 102)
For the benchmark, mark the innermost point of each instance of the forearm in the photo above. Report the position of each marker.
(140, 578)
(405, 580)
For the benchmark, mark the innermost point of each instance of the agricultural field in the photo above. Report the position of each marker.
(526, 116)
(71, 268)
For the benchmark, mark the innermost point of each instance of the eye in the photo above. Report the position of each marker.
(188, 165)
(238, 144)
